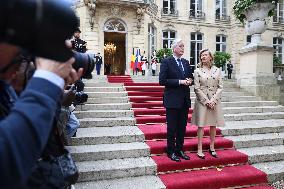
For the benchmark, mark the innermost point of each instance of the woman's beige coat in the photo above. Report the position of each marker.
(208, 87)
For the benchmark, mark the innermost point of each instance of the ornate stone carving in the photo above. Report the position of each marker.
(170, 26)
(117, 11)
(140, 12)
(222, 30)
(196, 28)
(91, 4)
(279, 34)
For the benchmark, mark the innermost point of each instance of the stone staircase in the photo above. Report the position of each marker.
(110, 151)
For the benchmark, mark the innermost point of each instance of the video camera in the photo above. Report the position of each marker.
(80, 96)
(42, 27)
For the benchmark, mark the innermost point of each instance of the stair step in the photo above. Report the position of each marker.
(116, 168)
(254, 116)
(159, 147)
(264, 153)
(253, 127)
(222, 178)
(113, 106)
(274, 170)
(107, 135)
(107, 100)
(103, 89)
(109, 151)
(224, 104)
(257, 109)
(107, 122)
(257, 140)
(102, 84)
(108, 94)
(225, 157)
(103, 113)
(142, 182)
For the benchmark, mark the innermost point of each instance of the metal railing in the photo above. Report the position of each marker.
(169, 12)
(278, 20)
(196, 14)
(225, 18)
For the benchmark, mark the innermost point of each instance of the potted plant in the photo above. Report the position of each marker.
(254, 13)
(164, 53)
(221, 58)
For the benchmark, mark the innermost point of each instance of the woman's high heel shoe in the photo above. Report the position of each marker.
(200, 156)
(213, 153)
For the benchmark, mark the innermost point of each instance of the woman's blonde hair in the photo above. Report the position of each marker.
(212, 57)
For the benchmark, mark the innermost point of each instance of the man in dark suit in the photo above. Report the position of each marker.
(99, 61)
(176, 75)
(230, 70)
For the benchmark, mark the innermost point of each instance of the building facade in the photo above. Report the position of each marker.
(150, 25)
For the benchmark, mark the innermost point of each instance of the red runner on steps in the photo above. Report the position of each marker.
(231, 169)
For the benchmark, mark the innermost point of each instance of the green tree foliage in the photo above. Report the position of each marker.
(220, 58)
(164, 53)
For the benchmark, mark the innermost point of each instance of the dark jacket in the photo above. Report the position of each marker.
(175, 95)
(25, 131)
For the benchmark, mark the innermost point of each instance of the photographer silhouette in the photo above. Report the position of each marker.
(26, 128)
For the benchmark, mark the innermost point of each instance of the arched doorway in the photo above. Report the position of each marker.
(114, 47)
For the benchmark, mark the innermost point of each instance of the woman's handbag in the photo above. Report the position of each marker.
(68, 167)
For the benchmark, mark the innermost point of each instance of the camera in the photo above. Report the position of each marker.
(47, 25)
(80, 96)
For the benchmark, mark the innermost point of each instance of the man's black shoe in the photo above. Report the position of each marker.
(182, 155)
(174, 157)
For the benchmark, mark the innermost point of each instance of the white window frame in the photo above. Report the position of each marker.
(276, 47)
(152, 39)
(196, 51)
(197, 12)
(222, 43)
(168, 39)
(169, 8)
(223, 12)
(279, 17)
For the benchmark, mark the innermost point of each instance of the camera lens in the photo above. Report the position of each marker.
(85, 61)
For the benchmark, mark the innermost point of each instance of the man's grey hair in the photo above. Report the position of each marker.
(175, 43)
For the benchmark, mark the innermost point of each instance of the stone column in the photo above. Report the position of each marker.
(256, 72)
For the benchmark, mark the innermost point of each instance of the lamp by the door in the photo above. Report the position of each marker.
(110, 48)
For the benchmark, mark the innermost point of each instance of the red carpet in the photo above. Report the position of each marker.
(160, 131)
(159, 147)
(119, 79)
(214, 179)
(231, 169)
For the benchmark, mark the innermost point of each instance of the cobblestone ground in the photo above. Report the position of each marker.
(279, 184)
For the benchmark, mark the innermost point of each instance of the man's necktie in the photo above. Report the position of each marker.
(180, 66)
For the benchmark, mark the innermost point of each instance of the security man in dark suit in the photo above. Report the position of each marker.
(230, 70)
(176, 75)
(99, 61)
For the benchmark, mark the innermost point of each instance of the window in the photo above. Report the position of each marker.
(196, 9)
(277, 44)
(221, 43)
(248, 39)
(114, 25)
(196, 42)
(279, 16)
(168, 38)
(169, 7)
(151, 39)
(221, 10)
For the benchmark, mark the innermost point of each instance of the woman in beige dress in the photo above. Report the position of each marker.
(207, 111)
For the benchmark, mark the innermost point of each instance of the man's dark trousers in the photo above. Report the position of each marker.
(98, 68)
(176, 123)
